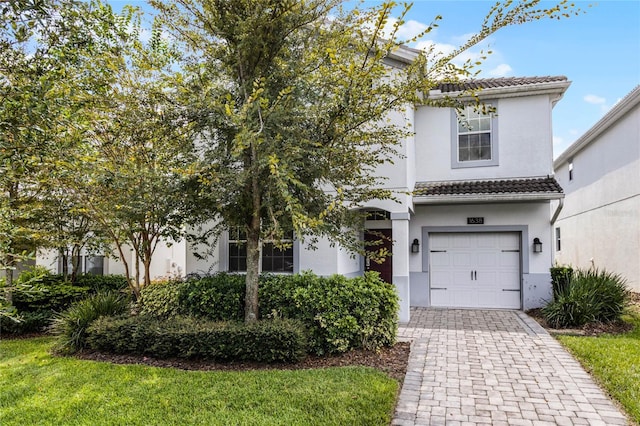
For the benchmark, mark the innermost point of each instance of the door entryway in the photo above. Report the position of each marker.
(475, 270)
(386, 241)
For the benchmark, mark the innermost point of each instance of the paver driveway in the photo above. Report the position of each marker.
(471, 367)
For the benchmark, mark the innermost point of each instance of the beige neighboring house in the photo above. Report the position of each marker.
(599, 224)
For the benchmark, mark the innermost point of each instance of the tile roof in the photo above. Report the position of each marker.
(547, 185)
(489, 83)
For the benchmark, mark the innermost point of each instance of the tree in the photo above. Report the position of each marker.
(134, 161)
(42, 45)
(292, 100)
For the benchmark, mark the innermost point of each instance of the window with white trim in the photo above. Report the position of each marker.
(272, 258)
(558, 245)
(475, 140)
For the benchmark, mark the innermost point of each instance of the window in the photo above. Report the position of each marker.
(475, 142)
(558, 239)
(571, 169)
(93, 265)
(273, 259)
(237, 250)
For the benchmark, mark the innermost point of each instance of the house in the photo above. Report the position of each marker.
(472, 198)
(599, 224)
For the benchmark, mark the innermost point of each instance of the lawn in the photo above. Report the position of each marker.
(614, 360)
(38, 388)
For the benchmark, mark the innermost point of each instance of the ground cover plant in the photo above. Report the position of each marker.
(614, 360)
(45, 390)
(586, 296)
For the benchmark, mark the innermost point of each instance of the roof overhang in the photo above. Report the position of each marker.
(486, 198)
(555, 89)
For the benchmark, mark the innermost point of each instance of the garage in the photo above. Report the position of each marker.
(475, 270)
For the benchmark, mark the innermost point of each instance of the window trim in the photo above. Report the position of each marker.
(558, 239)
(455, 163)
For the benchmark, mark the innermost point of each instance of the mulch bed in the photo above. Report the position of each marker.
(594, 329)
(392, 361)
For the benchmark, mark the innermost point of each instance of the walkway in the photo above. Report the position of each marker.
(470, 367)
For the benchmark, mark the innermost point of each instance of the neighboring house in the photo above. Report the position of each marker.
(600, 172)
(471, 200)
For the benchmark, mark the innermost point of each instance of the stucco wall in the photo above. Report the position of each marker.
(600, 221)
(524, 142)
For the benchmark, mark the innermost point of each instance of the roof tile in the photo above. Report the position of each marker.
(479, 187)
(489, 83)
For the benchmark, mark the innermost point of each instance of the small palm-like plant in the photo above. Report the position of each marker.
(591, 296)
(71, 325)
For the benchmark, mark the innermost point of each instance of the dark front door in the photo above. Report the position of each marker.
(384, 237)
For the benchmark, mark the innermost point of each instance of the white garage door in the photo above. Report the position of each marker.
(475, 270)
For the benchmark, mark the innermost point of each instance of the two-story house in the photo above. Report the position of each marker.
(599, 225)
(470, 226)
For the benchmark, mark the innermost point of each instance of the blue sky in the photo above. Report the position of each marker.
(598, 51)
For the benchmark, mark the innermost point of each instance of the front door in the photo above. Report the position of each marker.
(384, 236)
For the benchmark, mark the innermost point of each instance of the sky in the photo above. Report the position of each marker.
(598, 51)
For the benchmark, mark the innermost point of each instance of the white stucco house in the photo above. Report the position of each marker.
(599, 224)
(472, 199)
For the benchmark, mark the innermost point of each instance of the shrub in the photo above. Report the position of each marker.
(188, 337)
(71, 325)
(591, 296)
(25, 322)
(340, 313)
(560, 279)
(46, 295)
(102, 283)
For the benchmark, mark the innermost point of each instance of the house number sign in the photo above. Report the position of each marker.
(475, 221)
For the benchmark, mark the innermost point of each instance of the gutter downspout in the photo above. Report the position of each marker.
(558, 210)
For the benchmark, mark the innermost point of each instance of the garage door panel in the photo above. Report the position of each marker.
(474, 270)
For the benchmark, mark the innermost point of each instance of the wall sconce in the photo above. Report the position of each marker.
(537, 245)
(415, 246)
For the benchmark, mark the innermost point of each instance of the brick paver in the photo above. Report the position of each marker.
(472, 367)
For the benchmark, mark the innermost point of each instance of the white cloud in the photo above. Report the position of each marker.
(501, 70)
(437, 48)
(594, 99)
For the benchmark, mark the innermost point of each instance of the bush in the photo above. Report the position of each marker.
(560, 279)
(340, 313)
(218, 297)
(71, 325)
(188, 337)
(25, 322)
(591, 296)
(102, 283)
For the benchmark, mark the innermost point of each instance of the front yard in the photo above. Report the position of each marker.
(40, 389)
(614, 360)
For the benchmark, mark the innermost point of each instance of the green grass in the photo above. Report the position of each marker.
(37, 388)
(614, 360)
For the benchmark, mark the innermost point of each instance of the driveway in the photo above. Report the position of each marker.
(472, 367)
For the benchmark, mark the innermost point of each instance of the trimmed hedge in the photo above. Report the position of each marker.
(187, 337)
(339, 313)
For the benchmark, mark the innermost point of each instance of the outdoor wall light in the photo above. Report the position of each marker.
(415, 246)
(537, 245)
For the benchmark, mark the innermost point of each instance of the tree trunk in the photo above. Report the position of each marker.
(253, 254)
(63, 256)
(75, 262)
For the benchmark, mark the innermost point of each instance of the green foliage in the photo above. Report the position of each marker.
(591, 296)
(560, 279)
(102, 283)
(47, 295)
(71, 325)
(34, 274)
(187, 337)
(25, 322)
(340, 313)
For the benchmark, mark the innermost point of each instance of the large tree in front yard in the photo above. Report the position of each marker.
(294, 100)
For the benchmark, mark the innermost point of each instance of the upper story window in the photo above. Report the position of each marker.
(272, 258)
(475, 141)
(571, 169)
